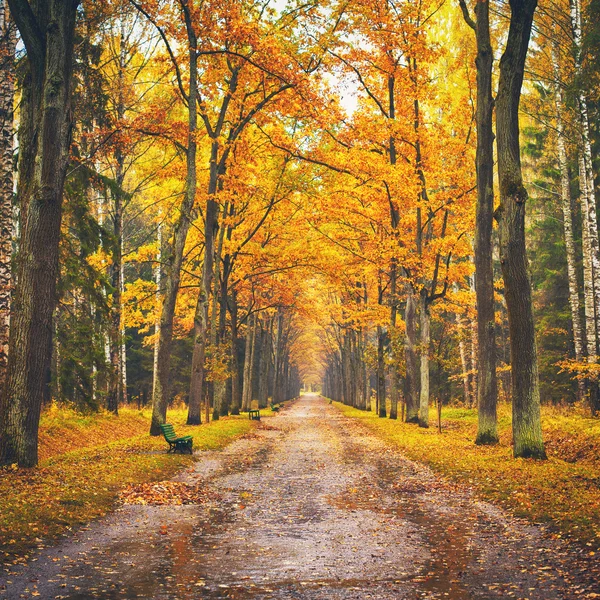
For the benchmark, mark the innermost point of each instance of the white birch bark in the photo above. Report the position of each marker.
(7, 91)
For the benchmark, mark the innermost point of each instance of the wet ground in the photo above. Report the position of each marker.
(311, 505)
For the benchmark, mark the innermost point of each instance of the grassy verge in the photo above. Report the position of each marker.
(563, 491)
(71, 488)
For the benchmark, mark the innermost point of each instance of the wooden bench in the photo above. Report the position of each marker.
(181, 444)
(254, 414)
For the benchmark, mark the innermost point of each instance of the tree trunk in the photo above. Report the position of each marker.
(215, 326)
(265, 355)
(527, 429)
(487, 392)
(589, 304)
(161, 393)
(567, 211)
(47, 30)
(463, 360)
(277, 358)
(381, 405)
(394, 376)
(411, 392)
(425, 344)
(235, 360)
(201, 319)
(158, 280)
(7, 93)
(591, 248)
(249, 364)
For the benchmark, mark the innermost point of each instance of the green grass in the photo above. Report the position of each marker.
(69, 489)
(563, 491)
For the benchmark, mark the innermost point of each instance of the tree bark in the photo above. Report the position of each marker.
(277, 358)
(265, 355)
(7, 93)
(394, 376)
(411, 384)
(236, 392)
(463, 361)
(487, 393)
(381, 404)
(527, 429)
(47, 29)
(425, 344)
(249, 364)
(591, 242)
(201, 318)
(567, 211)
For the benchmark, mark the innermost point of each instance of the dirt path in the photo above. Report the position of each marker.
(312, 506)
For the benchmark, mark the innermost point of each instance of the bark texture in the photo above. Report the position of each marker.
(487, 392)
(527, 429)
(411, 383)
(47, 28)
(7, 93)
(567, 211)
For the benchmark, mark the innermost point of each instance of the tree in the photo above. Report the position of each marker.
(47, 28)
(527, 430)
(7, 92)
(487, 390)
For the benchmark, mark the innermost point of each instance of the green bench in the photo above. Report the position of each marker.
(181, 444)
(254, 415)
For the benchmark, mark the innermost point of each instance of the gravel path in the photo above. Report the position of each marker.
(312, 505)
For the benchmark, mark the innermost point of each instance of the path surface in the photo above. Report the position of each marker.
(312, 505)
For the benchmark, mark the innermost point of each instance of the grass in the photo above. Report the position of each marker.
(80, 476)
(563, 492)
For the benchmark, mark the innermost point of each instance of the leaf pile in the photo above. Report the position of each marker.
(163, 493)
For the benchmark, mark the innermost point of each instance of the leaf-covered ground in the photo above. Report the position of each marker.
(562, 492)
(72, 487)
(315, 506)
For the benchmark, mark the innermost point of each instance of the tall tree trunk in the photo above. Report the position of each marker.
(590, 312)
(114, 395)
(161, 393)
(527, 427)
(567, 211)
(463, 360)
(263, 371)
(277, 358)
(474, 352)
(425, 347)
(411, 382)
(201, 318)
(381, 405)
(47, 29)
(158, 280)
(249, 364)
(589, 212)
(7, 93)
(122, 330)
(394, 375)
(236, 391)
(487, 393)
